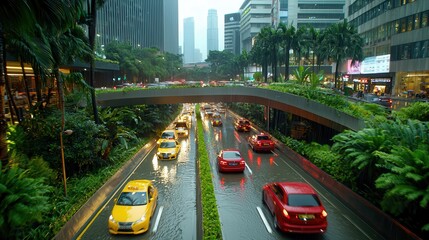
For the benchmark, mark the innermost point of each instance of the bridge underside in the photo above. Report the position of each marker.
(296, 105)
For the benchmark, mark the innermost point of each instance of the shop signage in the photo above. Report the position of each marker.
(375, 64)
(380, 80)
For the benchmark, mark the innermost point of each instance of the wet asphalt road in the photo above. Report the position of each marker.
(239, 195)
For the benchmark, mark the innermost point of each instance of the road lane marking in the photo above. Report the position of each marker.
(248, 168)
(267, 225)
(326, 199)
(91, 219)
(158, 217)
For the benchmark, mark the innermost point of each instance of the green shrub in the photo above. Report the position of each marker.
(211, 223)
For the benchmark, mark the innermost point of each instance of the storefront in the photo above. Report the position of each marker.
(412, 84)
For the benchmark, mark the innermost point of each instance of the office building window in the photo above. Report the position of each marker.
(425, 52)
(425, 18)
(416, 50)
(410, 22)
(417, 21)
(403, 23)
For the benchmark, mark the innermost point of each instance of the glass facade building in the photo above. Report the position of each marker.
(232, 33)
(399, 29)
(145, 23)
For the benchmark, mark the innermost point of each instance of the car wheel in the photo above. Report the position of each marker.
(263, 198)
(276, 226)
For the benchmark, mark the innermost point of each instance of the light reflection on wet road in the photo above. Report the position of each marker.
(238, 195)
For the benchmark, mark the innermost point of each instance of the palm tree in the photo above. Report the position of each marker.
(287, 38)
(18, 18)
(341, 41)
(259, 57)
(92, 23)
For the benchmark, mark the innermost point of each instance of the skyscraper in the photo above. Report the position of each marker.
(212, 31)
(232, 33)
(188, 40)
(316, 13)
(255, 14)
(149, 23)
(171, 26)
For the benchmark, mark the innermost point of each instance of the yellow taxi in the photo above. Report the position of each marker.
(167, 135)
(134, 208)
(168, 150)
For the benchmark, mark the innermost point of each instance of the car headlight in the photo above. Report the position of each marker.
(158, 153)
(140, 220)
(111, 219)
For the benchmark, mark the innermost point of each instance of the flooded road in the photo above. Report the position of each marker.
(175, 215)
(238, 195)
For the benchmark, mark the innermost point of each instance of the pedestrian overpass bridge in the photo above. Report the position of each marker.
(300, 106)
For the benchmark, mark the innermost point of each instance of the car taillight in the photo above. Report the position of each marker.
(223, 162)
(242, 162)
(259, 143)
(324, 213)
(286, 214)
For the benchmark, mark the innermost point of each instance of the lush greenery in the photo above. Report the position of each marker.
(93, 153)
(387, 162)
(211, 223)
(330, 98)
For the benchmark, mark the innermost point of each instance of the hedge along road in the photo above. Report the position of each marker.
(239, 195)
(175, 216)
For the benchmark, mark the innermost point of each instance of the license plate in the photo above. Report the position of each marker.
(306, 217)
(233, 164)
(266, 144)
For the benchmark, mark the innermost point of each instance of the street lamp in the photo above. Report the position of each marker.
(66, 132)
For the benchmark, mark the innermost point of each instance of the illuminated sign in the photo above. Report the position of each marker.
(375, 64)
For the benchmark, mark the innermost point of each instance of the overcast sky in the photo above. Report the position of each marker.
(199, 10)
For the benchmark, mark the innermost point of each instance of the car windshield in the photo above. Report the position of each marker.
(231, 155)
(216, 117)
(181, 124)
(263, 138)
(244, 122)
(167, 145)
(303, 200)
(167, 135)
(132, 199)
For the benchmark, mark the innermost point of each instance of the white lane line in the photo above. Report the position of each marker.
(158, 217)
(267, 225)
(248, 168)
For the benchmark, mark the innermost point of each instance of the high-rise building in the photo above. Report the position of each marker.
(232, 33)
(316, 13)
(212, 31)
(279, 12)
(396, 38)
(171, 26)
(149, 23)
(255, 14)
(188, 40)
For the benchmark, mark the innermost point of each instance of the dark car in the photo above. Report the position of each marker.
(242, 125)
(295, 207)
(385, 101)
(261, 142)
(230, 160)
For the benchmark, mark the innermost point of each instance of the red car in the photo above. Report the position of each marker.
(261, 142)
(295, 207)
(242, 125)
(230, 160)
